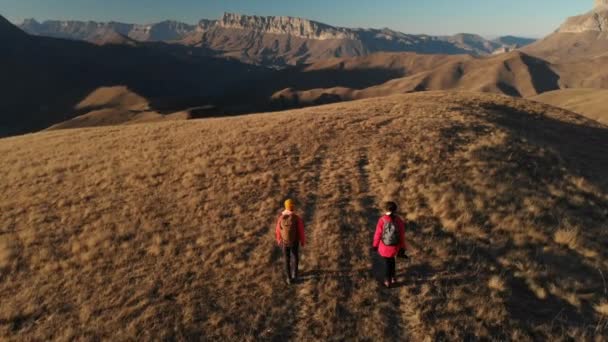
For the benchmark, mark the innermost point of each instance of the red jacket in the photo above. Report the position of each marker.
(389, 251)
(301, 236)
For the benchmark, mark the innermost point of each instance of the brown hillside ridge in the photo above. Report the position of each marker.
(127, 232)
(354, 73)
(584, 73)
(407, 63)
(514, 73)
(116, 106)
(592, 103)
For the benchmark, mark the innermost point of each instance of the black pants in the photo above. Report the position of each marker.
(291, 257)
(390, 268)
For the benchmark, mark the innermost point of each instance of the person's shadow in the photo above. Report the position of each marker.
(351, 274)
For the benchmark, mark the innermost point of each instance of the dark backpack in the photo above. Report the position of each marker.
(390, 233)
(288, 229)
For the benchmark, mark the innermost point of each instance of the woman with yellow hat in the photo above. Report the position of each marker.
(290, 236)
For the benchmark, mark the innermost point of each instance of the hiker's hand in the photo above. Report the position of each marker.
(402, 254)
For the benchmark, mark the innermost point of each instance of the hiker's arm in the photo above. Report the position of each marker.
(301, 234)
(378, 233)
(277, 231)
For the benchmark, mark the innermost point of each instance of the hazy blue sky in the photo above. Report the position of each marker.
(487, 17)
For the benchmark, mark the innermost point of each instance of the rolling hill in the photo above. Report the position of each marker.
(352, 72)
(108, 106)
(121, 232)
(514, 74)
(118, 105)
(592, 103)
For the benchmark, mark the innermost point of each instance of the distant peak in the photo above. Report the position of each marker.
(30, 21)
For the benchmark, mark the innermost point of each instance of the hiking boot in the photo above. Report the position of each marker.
(289, 281)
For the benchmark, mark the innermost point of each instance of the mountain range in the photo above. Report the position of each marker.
(45, 78)
(209, 69)
(275, 41)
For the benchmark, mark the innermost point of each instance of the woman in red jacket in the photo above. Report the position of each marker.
(290, 236)
(389, 240)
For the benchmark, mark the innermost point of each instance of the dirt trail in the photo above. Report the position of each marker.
(339, 272)
(323, 286)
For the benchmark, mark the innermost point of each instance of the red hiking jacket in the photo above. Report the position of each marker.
(389, 251)
(301, 236)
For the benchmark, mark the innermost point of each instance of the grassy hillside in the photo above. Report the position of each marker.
(569, 47)
(592, 103)
(164, 231)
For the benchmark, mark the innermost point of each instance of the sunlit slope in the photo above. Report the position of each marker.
(592, 103)
(164, 231)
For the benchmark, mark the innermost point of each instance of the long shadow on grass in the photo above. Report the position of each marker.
(370, 217)
(527, 311)
(284, 327)
(584, 148)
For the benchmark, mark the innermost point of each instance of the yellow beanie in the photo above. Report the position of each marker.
(290, 204)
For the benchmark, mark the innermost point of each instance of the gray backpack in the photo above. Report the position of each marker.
(390, 233)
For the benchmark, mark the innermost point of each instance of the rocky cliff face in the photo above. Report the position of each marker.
(297, 27)
(595, 20)
(577, 39)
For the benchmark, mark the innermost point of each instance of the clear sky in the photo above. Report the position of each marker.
(487, 17)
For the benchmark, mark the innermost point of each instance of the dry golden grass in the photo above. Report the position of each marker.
(496, 283)
(592, 103)
(164, 231)
(568, 237)
(602, 308)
